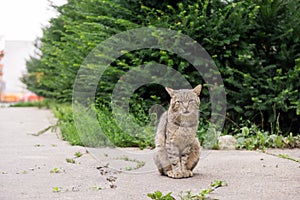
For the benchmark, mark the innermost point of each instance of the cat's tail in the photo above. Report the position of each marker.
(160, 137)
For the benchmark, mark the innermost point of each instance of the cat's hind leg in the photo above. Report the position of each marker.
(162, 161)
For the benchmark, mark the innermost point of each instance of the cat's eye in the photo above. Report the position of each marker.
(191, 100)
(178, 102)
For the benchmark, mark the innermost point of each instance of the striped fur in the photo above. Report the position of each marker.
(177, 148)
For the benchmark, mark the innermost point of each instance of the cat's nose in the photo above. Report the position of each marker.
(186, 112)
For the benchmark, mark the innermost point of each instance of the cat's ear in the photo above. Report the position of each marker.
(197, 89)
(170, 91)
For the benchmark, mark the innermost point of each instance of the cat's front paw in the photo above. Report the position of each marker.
(175, 174)
(187, 173)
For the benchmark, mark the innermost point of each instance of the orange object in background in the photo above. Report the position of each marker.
(5, 97)
(19, 97)
(9, 98)
(31, 97)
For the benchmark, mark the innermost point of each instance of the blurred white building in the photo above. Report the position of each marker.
(14, 61)
(2, 83)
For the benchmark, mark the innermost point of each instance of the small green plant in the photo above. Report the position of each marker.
(56, 170)
(70, 160)
(291, 141)
(157, 195)
(78, 154)
(97, 188)
(56, 189)
(203, 195)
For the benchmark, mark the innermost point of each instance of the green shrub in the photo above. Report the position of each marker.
(255, 44)
(251, 137)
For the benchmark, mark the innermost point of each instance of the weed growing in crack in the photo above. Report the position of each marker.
(203, 195)
(139, 164)
(159, 196)
(78, 154)
(56, 189)
(97, 188)
(56, 170)
(70, 160)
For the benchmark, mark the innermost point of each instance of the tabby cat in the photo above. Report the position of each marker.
(177, 148)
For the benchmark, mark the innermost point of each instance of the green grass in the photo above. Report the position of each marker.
(283, 156)
(64, 115)
(139, 164)
(288, 157)
(89, 134)
(46, 103)
(141, 133)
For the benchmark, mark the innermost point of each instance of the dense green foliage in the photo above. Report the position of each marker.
(251, 137)
(255, 44)
(256, 47)
(71, 36)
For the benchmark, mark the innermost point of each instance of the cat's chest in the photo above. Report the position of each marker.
(181, 135)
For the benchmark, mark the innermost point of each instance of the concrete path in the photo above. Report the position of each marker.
(35, 167)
